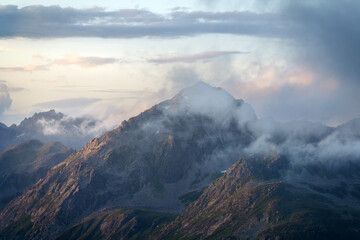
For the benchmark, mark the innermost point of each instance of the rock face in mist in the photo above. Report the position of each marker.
(151, 161)
(266, 198)
(22, 165)
(50, 126)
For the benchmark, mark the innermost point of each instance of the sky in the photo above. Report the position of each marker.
(113, 59)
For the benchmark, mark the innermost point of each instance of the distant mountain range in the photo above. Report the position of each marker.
(51, 126)
(207, 157)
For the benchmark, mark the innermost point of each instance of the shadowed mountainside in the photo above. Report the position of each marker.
(23, 164)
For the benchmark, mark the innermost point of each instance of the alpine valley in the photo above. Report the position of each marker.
(198, 166)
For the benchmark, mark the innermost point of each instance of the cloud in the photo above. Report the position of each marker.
(291, 92)
(189, 58)
(67, 60)
(55, 22)
(28, 68)
(330, 34)
(5, 100)
(68, 103)
(16, 89)
(85, 62)
(328, 43)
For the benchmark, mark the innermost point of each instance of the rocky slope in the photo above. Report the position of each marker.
(22, 165)
(117, 224)
(267, 198)
(51, 126)
(151, 161)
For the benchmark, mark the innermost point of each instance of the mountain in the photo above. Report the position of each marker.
(51, 126)
(264, 197)
(22, 165)
(151, 161)
(158, 163)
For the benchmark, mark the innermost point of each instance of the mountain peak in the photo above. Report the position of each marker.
(202, 85)
(218, 104)
(203, 90)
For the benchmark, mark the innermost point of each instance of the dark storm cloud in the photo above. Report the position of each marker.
(329, 44)
(54, 21)
(331, 34)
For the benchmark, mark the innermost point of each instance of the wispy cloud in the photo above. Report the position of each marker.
(28, 68)
(68, 103)
(16, 89)
(188, 58)
(54, 21)
(85, 62)
(67, 60)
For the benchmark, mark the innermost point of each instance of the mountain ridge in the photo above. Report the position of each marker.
(164, 158)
